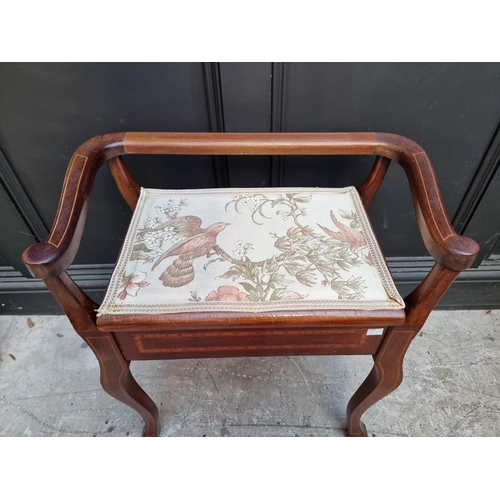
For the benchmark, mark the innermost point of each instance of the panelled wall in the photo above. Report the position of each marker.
(47, 110)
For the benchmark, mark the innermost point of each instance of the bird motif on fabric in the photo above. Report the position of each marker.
(197, 243)
(355, 238)
(186, 226)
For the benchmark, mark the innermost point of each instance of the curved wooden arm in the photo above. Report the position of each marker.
(443, 243)
(53, 256)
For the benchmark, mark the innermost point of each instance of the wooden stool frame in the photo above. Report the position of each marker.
(116, 341)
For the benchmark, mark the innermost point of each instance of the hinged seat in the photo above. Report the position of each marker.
(250, 251)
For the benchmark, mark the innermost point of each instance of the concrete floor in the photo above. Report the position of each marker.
(49, 386)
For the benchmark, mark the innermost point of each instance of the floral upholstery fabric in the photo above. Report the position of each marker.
(252, 250)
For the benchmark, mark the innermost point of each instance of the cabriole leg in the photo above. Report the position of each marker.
(117, 380)
(385, 377)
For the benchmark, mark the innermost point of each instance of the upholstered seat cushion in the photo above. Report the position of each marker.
(249, 250)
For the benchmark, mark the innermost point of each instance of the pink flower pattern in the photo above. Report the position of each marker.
(133, 284)
(227, 293)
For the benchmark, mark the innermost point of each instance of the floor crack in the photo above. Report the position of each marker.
(208, 371)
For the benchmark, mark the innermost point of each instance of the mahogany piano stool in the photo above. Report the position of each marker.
(202, 274)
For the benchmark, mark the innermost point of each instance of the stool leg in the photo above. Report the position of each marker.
(381, 381)
(385, 376)
(117, 380)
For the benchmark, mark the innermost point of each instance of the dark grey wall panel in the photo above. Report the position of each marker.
(246, 91)
(47, 110)
(496, 250)
(452, 110)
(4, 260)
(15, 235)
(484, 226)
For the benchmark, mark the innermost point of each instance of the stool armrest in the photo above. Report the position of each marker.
(449, 249)
(453, 251)
(53, 256)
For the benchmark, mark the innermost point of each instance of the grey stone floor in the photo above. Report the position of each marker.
(49, 386)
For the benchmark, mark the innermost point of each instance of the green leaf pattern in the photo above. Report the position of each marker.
(304, 254)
